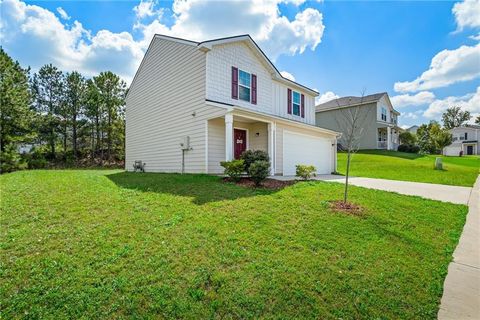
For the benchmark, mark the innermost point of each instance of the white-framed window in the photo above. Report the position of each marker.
(244, 85)
(384, 114)
(296, 102)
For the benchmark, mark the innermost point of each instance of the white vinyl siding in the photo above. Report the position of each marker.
(157, 119)
(280, 94)
(271, 94)
(216, 145)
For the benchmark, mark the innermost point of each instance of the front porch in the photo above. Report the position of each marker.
(388, 138)
(231, 135)
(288, 143)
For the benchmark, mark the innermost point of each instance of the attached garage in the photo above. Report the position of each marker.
(299, 148)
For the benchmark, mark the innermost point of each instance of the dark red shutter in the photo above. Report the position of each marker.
(289, 99)
(302, 112)
(234, 83)
(254, 89)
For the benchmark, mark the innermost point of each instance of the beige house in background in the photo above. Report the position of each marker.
(381, 130)
(194, 104)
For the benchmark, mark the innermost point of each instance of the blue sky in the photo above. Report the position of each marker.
(426, 55)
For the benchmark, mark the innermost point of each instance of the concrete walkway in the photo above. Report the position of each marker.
(453, 194)
(461, 290)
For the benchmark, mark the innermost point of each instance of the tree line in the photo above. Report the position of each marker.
(68, 119)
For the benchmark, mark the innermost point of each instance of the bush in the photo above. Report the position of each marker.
(36, 160)
(233, 169)
(250, 156)
(259, 171)
(10, 160)
(408, 138)
(305, 171)
(408, 148)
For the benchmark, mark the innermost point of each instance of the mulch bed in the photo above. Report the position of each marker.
(267, 184)
(348, 207)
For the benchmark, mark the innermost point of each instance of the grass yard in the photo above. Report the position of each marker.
(108, 244)
(459, 171)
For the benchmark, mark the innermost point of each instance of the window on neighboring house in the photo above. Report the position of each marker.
(296, 103)
(384, 114)
(454, 139)
(466, 135)
(244, 85)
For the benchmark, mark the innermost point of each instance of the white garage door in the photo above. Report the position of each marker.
(304, 149)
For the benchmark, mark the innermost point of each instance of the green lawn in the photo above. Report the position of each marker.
(108, 244)
(460, 171)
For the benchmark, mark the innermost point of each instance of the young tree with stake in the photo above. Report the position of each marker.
(351, 121)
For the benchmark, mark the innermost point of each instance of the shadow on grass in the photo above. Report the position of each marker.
(203, 188)
(395, 154)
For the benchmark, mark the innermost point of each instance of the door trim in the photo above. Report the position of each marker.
(246, 138)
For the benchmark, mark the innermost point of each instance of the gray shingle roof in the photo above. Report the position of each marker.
(349, 101)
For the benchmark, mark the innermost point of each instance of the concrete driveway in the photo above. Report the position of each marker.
(453, 194)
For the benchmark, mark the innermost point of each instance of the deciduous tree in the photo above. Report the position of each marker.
(455, 117)
(352, 122)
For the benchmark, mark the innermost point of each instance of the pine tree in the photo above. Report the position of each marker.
(47, 88)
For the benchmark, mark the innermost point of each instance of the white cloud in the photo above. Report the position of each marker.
(477, 37)
(287, 75)
(202, 20)
(63, 13)
(146, 9)
(412, 115)
(405, 100)
(469, 102)
(446, 68)
(35, 36)
(467, 14)
(327, 96)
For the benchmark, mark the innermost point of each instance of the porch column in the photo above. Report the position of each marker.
(389, 138)
(228, 137)
(271, 146)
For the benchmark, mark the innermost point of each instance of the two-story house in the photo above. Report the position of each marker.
(465, 139)
(194, 104)
(380, 128)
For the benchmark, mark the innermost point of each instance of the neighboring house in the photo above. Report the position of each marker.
(412, 129)
(465, 138)
(380, 129)
(212, 100)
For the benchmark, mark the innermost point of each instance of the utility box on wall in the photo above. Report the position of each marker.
(185, 143)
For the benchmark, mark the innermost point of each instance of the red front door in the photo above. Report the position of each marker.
(239, 142)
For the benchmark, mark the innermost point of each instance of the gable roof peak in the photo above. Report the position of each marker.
(208, 44)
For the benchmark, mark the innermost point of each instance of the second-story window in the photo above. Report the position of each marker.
(384, 114)
(244, 85)
(296, 103)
